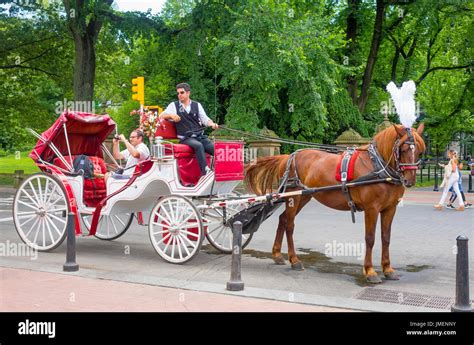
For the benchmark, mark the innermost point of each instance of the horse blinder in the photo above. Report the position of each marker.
(411, 142)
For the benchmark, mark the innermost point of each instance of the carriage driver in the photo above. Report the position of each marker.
(135, 152)
(190, 119)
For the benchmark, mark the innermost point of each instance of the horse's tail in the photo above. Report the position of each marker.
(263, 174)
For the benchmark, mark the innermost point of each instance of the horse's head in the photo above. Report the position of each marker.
(408, 147)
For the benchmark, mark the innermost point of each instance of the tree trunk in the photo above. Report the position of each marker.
(351, 37)
(374, 49)
(84, 69)
(85, 23)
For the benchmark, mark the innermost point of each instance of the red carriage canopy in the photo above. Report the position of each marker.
(85, 131)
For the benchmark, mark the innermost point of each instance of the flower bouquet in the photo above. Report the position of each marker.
(149, 122)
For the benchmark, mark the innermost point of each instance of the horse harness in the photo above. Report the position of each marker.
(381, 170)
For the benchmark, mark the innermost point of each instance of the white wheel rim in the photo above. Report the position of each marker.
(175, 229)
(40, 212)
(109, 226)
(219, 234)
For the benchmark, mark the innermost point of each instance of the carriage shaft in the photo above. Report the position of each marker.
(276, 196)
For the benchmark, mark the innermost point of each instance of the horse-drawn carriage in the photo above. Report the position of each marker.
(164, 192)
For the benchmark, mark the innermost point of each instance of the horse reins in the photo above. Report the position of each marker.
(323, 147)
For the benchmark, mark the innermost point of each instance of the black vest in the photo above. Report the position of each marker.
(190, 122)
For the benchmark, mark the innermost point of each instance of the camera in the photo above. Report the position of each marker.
(116, 137)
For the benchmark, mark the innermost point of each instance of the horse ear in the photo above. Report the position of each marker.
(420, 128)
(399, 130)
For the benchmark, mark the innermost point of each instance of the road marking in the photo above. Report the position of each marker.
(6, 219)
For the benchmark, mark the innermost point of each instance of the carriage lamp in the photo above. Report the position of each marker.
(158, 150)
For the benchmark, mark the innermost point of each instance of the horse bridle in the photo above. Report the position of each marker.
(401, 167)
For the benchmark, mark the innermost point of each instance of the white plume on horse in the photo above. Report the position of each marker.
(404, 99)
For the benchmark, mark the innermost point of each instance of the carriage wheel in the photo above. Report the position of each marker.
(220, 234)
(176, 229)
(109, 227)
(40, 211)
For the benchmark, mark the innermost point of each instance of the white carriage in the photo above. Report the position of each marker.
(164, 192)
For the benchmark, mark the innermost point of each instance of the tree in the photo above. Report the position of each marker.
(85, 19)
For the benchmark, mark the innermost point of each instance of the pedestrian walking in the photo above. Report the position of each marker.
(451, 178)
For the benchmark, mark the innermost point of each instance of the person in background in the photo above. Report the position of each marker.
(451, 177)
(453, 196)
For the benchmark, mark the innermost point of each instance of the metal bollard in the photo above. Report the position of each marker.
(235, 283)
(71, 265)
(18, 176)
(435, 189)
(462, 303)
(429, 173)
(421, 175)
(470, 184)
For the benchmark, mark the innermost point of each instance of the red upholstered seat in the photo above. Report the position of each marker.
(94, 188)
(229, 159)
(188, 167)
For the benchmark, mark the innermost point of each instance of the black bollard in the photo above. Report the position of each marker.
(429, 173)
(470, 184)
(71, 265)
(462, 303)
(421, 175)
(435, 189)
(18, 177)
(235, 283)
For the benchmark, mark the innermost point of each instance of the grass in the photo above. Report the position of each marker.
(10, 163)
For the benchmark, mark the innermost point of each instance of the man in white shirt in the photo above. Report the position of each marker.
(135, 152)
(190, 119)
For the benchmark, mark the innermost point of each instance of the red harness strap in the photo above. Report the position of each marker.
(350, 168)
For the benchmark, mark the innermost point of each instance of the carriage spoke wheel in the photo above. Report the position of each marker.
(109, 227)
(40, 211)
(218, 233)
(176, 229)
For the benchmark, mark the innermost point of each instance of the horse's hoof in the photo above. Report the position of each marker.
(391, 276)
(297, 266)
(374, 279)
(279, 260)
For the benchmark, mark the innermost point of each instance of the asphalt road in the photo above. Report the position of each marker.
(422, 251)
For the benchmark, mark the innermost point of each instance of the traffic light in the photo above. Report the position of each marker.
(138, 89)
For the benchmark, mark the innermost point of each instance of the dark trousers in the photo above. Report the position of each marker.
(201, 145)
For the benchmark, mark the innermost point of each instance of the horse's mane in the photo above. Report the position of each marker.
(386, 139)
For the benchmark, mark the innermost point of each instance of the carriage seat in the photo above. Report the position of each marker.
(228, 157)
(94, 188)
(188, 167)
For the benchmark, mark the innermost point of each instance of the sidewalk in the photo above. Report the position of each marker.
(34, 291)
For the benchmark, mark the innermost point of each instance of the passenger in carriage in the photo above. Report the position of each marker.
(135, 152)
(190, 119)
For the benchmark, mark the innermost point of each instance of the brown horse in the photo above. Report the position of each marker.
(399, 147)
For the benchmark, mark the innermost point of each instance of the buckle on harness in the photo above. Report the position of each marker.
(343, 176)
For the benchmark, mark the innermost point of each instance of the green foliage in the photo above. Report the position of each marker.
(125, 122)
(251, 63)
(12, 162)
